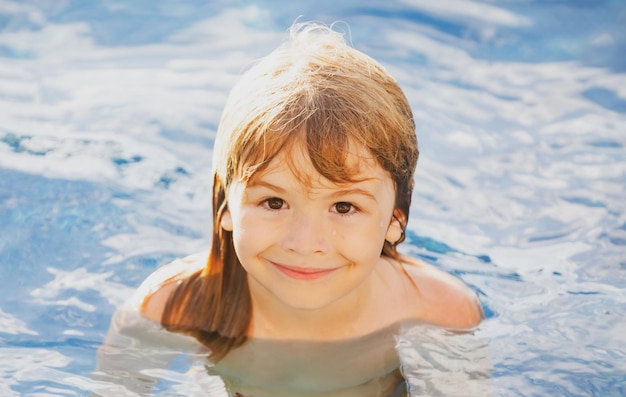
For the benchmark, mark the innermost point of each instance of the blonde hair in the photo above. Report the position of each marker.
(320, 92)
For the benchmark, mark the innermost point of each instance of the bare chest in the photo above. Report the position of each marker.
(314, 368)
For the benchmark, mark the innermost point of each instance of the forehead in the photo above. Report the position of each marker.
(359, 164)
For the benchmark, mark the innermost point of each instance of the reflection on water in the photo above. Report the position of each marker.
(107, 116)
(439, 363)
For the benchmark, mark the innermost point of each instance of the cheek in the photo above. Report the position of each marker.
(362, 241)
(249, 234)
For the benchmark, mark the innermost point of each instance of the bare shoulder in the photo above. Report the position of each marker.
(153, 294)
(444, 299)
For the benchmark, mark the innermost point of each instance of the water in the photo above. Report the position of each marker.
(107, 114)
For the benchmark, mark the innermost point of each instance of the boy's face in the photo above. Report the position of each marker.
(310, 247)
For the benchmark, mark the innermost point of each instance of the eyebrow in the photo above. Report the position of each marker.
(336, 193)
(261, 183)
(352, 191)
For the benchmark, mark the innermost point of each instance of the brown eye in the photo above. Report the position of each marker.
(275, 203)
(343, 207)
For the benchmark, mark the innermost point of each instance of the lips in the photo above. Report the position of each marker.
(302, 273)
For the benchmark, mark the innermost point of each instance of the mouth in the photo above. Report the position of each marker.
(303, 273)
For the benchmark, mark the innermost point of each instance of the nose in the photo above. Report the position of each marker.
(306, 234)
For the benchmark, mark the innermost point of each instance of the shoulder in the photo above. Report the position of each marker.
(443, 299)
(152, 295)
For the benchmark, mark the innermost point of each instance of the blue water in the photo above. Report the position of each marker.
(107, 114)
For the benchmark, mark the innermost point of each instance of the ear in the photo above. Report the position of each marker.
(227, 221)
(395, 229)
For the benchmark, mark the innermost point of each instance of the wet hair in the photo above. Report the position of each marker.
(315, 91)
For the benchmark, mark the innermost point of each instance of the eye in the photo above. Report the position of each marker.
(274, 203)
(344, 208)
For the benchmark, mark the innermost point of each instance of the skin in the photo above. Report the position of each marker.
(317, 280)
(317, 266)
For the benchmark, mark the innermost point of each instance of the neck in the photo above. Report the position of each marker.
(341, 319)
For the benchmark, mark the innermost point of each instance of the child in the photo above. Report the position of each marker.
(303, 288)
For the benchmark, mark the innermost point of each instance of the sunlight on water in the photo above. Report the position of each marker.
(108, 111)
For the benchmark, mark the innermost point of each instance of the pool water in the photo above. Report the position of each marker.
(107, 115)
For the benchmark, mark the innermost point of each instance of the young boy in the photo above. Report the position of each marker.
(303, 288)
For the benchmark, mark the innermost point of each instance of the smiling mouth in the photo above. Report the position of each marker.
(300, 273)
